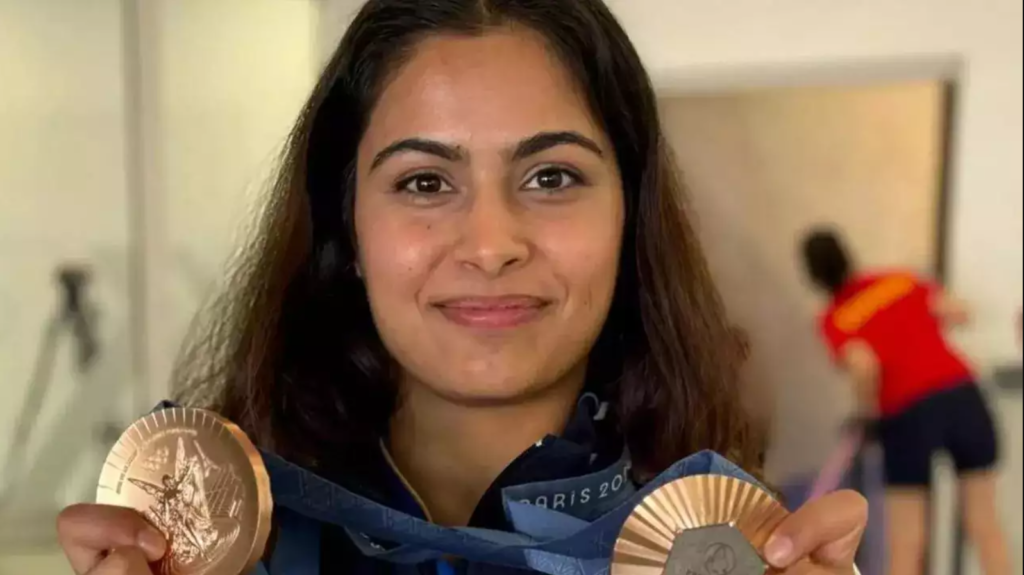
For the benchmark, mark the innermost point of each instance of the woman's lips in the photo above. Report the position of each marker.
(492, 312)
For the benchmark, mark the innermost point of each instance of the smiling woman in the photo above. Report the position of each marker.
(476, 232)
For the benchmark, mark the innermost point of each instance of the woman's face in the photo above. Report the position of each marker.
(489, 214)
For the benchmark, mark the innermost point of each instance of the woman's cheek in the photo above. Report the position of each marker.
(397, 255)
(584, 248)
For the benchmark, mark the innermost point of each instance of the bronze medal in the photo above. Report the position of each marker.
(699, 525)
(198, 479)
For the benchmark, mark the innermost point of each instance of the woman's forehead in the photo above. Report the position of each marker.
(480, 90)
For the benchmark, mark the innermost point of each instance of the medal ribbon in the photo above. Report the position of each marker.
(543, 539)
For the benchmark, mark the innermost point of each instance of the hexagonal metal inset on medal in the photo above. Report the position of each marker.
(713, 550)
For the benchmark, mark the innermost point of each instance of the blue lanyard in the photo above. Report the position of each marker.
(543, 539)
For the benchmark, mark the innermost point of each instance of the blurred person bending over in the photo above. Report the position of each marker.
(886, 330)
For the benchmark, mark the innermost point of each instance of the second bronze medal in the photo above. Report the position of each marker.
(700, 525)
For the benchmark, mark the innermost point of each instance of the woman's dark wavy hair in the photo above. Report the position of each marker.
(292, 354)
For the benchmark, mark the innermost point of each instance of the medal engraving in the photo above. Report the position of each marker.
(715, 550)
(197, 479)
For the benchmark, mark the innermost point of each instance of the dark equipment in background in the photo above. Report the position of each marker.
(76, 318)
(74, 281)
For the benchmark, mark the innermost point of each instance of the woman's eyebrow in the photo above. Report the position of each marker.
(525, 148)
(546, 140)
(449, 152)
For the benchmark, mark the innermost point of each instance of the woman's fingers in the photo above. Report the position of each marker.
(87, 533)
(827, 531)
(123, 561)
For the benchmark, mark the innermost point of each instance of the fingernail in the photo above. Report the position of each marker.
(778, 551)
(152, 542)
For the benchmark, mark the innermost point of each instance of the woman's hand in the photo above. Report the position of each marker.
(820, 538)
(104, 540)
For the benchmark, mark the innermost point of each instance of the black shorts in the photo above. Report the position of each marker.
(956, 421)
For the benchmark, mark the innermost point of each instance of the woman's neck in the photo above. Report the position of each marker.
(451, 453)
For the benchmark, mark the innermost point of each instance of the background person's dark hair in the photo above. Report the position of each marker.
(826, 259)
(294, 357)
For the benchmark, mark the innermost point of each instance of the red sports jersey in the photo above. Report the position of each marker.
(892, 313)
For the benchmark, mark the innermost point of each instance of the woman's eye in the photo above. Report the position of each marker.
(425, 184)
(552, 180)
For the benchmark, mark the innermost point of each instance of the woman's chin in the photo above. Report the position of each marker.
(491, 389)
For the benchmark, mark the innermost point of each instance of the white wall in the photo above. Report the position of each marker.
(210, 91)
(333, 17)
(230, 78)
(62, 198)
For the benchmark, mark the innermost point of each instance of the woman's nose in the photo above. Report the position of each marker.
(492, 241)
